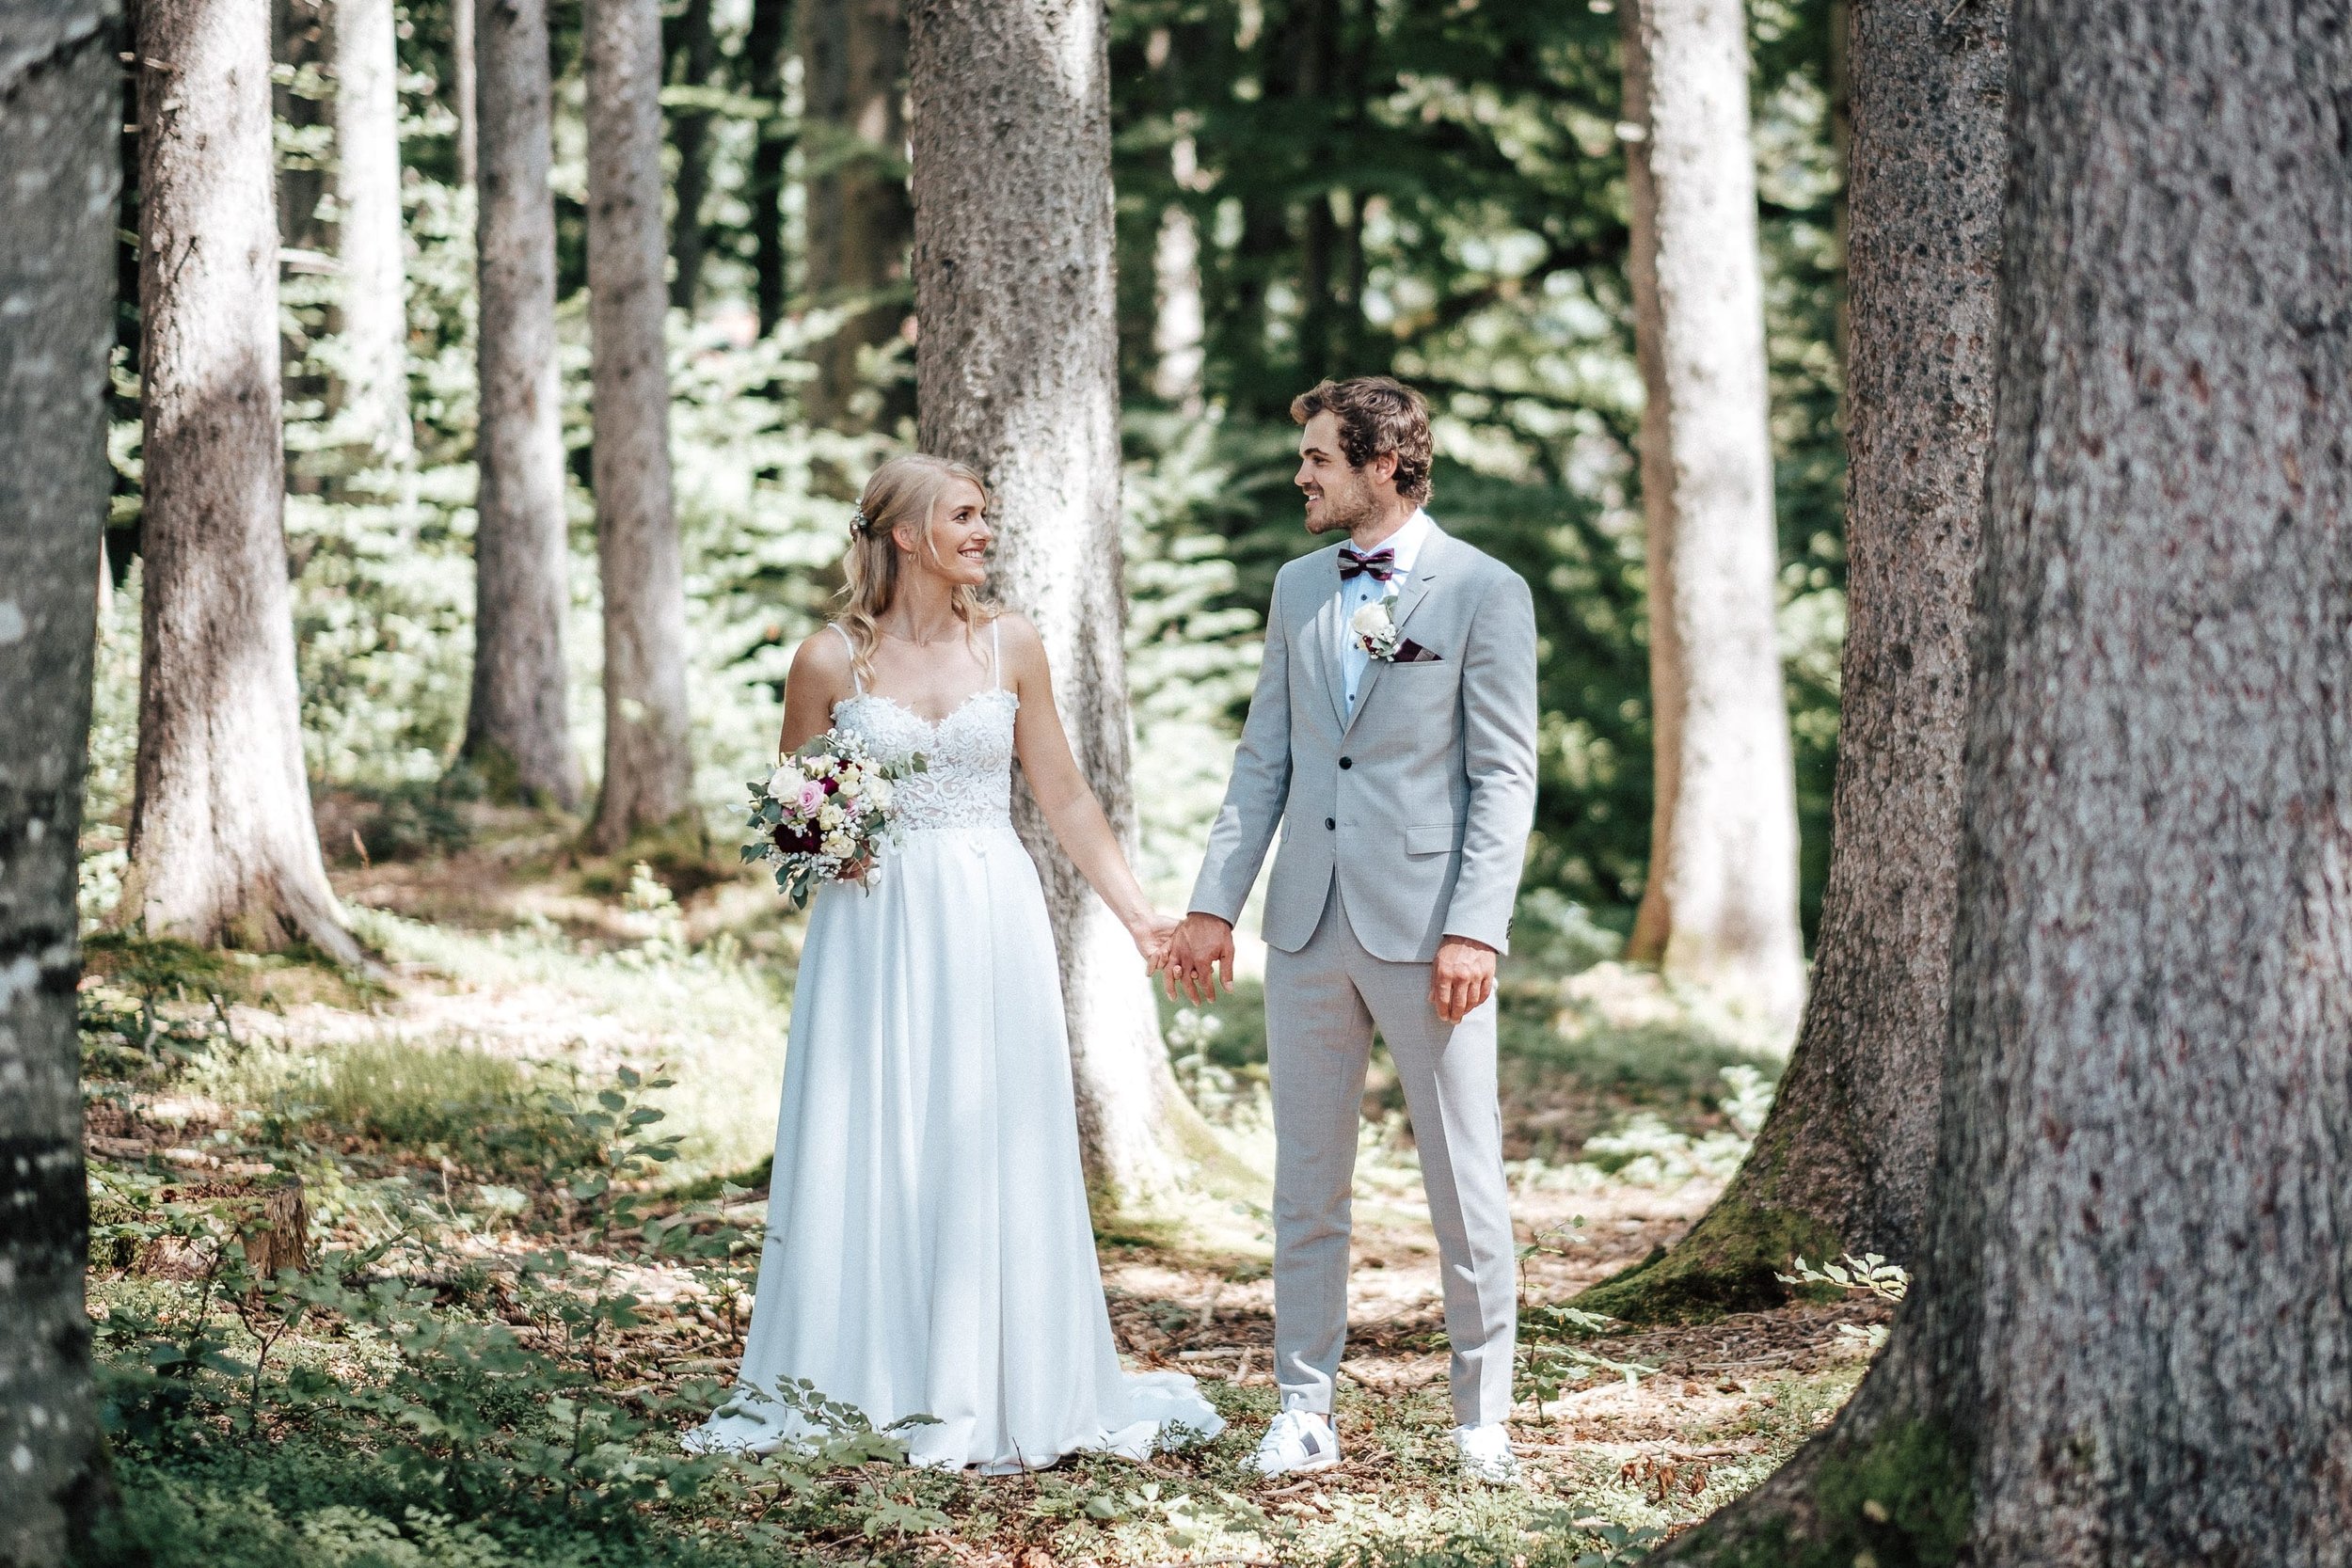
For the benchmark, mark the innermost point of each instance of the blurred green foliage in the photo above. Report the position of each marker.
(1435, 191)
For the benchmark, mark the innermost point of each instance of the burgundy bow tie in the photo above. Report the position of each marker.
(1380, 565)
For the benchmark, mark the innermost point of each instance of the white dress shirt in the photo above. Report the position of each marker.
(1363, 589)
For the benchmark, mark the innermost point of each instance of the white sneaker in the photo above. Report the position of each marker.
(1297, 1442)
(1484, 1454)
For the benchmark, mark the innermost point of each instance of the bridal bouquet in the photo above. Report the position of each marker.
(825, 814)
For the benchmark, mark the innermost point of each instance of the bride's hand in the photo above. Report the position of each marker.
(1153, 935)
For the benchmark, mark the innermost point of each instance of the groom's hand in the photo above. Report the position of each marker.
(1462, 978)
(1201, 949)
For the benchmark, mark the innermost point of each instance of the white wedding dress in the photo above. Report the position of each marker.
(928, 1248)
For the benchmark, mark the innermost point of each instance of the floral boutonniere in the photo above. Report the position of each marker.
(1374, 626)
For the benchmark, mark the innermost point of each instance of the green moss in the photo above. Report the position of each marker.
(1727, 1264)
(1901, 1500)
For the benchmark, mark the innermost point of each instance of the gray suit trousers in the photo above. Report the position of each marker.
(1321, 1005)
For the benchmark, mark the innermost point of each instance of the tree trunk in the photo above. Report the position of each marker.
(2131, 1340)
(517, 728)
(1016, 371)
(764, 50)
(372, 305)
(1842, 1162)
(854, 62)
(222, 841)
(463, 90)
(648, 777)
(1720, 906)
(300, 42)
(60, 116)
(1177, 321)
(691, 129)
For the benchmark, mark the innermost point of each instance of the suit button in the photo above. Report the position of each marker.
(1347, 762)
(1328, 823)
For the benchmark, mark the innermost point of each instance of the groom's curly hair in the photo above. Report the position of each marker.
(1377, 414)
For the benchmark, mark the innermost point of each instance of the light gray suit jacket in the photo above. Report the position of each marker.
(1419, 803)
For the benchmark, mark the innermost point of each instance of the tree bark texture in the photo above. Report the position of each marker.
(464, 88)
(854, 65)
(648, 776)
(698, 58)
(1720, 906)
(222, 841)
(60, 116)
(1016, 373)
(372, 307)
(1842, 1162)
(517, 729)
(764, 49)
(2131, 1341)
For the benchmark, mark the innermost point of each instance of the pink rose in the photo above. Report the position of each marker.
(812, 796)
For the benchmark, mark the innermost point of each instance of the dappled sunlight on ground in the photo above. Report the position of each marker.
(432, 1114)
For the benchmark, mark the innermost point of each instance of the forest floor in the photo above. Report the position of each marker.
(531, 1153)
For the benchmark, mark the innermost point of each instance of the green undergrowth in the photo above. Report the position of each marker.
(532, 1259)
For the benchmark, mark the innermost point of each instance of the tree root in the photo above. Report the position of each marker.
(1727, 1264)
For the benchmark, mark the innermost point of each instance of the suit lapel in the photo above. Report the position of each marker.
(1426, 569)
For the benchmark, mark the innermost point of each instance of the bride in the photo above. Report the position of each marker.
(928, 1248)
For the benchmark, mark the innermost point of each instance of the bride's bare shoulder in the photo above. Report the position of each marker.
(1023, 649)
(822, 660)
(826, 648)
(1016, 627)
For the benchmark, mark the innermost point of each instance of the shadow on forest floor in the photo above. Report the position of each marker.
(528, 1173)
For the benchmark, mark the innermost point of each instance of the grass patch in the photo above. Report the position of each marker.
(432, 1100)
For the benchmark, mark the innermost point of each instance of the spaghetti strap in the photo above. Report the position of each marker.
(996, 654)
(856, 684)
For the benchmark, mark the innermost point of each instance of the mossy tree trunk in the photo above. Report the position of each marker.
(223, 847)
(1719, 909)
(2130, 1341)
(1842, 1162)
(60, 117)
(1017, 374)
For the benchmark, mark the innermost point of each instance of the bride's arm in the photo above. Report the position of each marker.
(1063, 793)
(820, 678)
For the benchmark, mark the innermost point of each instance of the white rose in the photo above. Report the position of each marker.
(830, 816)
(877, 794)
(785, 783)
(852, 783)
(823, 767)
(839, 847)
(1372, 620)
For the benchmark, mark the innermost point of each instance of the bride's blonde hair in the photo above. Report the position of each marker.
(904, 491)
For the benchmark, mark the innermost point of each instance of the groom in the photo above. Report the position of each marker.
(1392, 740)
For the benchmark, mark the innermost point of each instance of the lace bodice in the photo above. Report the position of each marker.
(968, 783)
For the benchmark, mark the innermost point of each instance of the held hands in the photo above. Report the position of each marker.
(1462, 978)
(1201, 950)
(1152, 933)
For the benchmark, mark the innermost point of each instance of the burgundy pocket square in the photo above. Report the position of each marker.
(1410, 652)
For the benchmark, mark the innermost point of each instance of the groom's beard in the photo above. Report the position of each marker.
(1342, 510)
